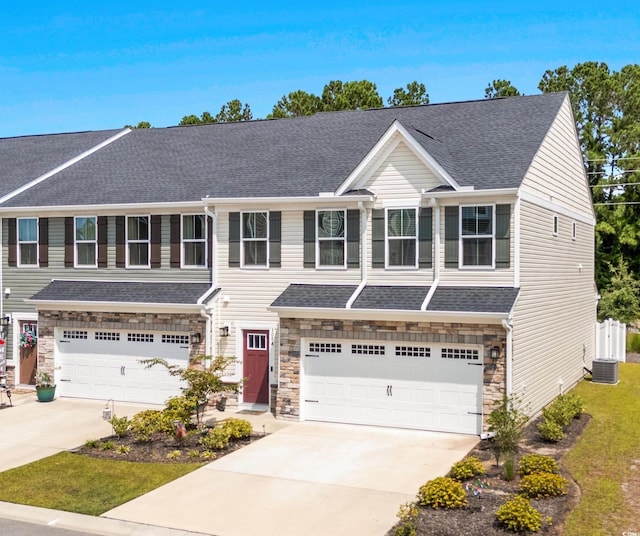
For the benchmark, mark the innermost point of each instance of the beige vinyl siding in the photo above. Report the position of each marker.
(252, 290)
(25, 282)
(557, 171)
(402, 175)
(555, 314)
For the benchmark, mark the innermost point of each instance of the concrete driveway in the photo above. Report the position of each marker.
(31, 430)
(305, 478)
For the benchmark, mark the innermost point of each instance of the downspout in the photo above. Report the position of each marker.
(508, 326)
(363, 255)
(516, 245)
(436, 259)
(206, 311)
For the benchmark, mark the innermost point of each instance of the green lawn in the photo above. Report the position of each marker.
(602, 458)
(85, 485)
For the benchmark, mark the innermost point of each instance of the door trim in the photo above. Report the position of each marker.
(15, 338)
(259, 325)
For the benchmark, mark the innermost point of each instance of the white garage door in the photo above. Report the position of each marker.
(105, 364)
(407, 385)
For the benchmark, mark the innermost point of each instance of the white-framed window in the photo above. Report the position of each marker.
(194, 241)
(255, 239)
(574, 230)
(138, 241)
(402, 237)
(477, 233)
(27, 241)
(556, 225)
(86, 239)
(331, 238)
(256, 341)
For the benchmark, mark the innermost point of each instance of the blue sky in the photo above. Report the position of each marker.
(76, 65)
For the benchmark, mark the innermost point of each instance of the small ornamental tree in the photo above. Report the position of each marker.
(507, 422)
(203, 377)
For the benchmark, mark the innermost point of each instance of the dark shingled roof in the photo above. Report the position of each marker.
(473, 299)
(26, 158)
(398, 298)
(123, 292)
(315, 296)
(487, 143)
(390, 297)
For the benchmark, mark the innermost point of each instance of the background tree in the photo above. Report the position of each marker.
(500, 88)
(233, 110)
(141, 124)
(414, 94)
(621, 299)
(356, 95)
(296, 104)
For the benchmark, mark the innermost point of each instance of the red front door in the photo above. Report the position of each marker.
(256, 367)
(28, 351)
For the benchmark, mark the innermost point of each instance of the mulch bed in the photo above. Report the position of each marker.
(158, 448)
(478, 518)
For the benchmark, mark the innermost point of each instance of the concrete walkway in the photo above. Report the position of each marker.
(302, 478)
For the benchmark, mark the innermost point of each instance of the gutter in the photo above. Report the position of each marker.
(363, 256)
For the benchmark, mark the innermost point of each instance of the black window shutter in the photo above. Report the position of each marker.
(174, 239)
(309, 238)
(234, 239)
(120, 242)
(275, 232)
(12, 240)
(43, 239)
(451, 237)
(102, 241)
(503, 236)
(425, 238)
(156, 241)
(377, 238)
(353, 238)
(68, 242)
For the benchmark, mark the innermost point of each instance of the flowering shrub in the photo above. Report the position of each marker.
(28, 339)
(466, 469)
(518, 515)
(442, 492)
(537, 463)
(543, 485)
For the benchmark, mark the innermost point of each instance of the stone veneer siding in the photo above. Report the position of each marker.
(292, 330)
(48, 320)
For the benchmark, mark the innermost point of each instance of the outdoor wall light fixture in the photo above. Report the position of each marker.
(7, 292)
(196, 338)
(495, 352)
(224, 331)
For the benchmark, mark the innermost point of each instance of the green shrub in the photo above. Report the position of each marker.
(120, 425)
(92, 443)
(180, 408)
(174, 455)
(237, 428)
(408, 515)
(550, 430)
(518, 515)
(107, 445)
(466, 469)
(633, 343)
(216, 439)
(509, 466)
(208, 455)
(564, 409)
(146, 423)
(124, 449)
(507, 421)
(442, 492)
(537, 463)
(543, 485)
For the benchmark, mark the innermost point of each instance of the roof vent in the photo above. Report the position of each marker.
(605, 371)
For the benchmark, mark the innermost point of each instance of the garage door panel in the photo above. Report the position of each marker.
(92, 367)
(409, 386)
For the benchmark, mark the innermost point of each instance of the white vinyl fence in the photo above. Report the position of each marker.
(611, 340)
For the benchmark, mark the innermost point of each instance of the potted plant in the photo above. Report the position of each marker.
(45, 390)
